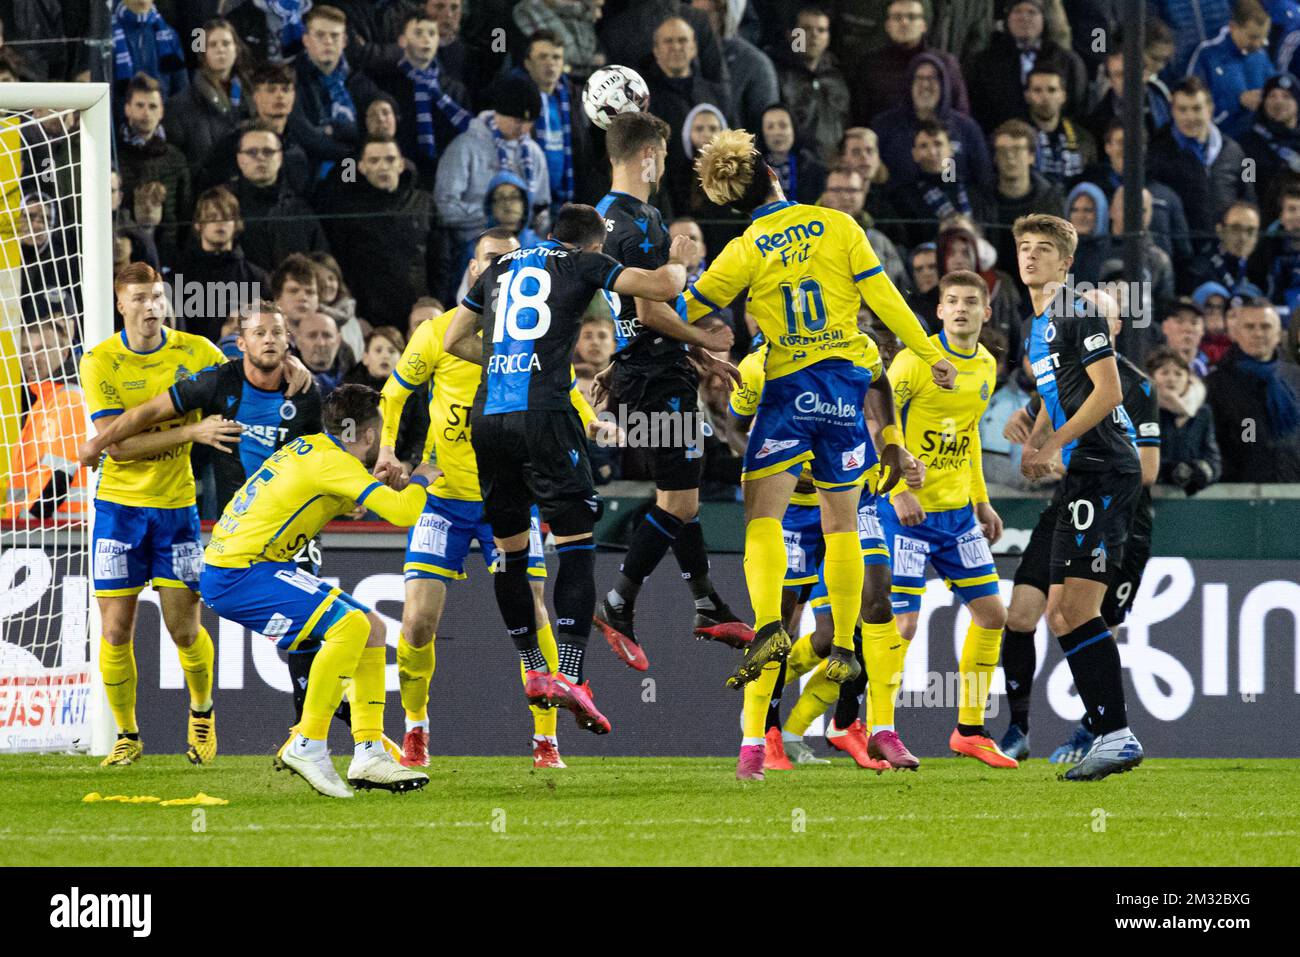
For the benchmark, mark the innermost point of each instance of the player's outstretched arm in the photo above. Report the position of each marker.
(121, 436)
(461, 340)
(403, 508)
(888, 303)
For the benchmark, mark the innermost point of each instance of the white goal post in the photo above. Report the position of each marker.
(55, 164)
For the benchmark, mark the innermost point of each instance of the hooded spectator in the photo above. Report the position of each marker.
(1273, 141)
(886, 79)
(1089, 211)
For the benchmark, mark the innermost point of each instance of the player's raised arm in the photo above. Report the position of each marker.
(664, 283)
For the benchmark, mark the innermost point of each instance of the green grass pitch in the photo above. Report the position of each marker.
(646, 811)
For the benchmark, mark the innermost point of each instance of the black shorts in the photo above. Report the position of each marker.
(1123, 587)
(1093, 523)
(669, 397)
(1035, 568)
(537, 457)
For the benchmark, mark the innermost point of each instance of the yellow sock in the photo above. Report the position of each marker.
(197, 663)
(414, 672)
(802, 659)
(979, 656)
(842, 572)
(765, 562)
(335, 664)
(368, 702)
(544, 719)
(758, 695)
(883, 650)
(117, 669)
(819, 694)
(867, 705)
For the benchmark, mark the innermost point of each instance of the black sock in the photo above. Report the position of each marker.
(1018, 662)
(970, 730)
(650, 543)
(688, 549)
(299, 663)
(129, 735)
(849, 705)
(1094, 661)
(774, 706)
(515, 600)
(575, 603)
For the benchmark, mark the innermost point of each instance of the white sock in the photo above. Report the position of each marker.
(414, 725)
(614, 598)
(367, 749)
(746, 742)
(882, 727)
(308, 747)
(547, 737)
(791, 736)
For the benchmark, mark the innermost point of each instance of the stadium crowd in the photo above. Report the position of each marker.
(345, 155)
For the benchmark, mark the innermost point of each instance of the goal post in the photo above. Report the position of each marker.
(56, 264)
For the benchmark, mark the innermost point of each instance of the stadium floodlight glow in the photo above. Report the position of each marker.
(56, 259)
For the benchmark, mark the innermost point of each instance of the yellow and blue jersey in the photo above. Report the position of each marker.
(941, 426)
(807, 269)
(298, 489)
(116, 378)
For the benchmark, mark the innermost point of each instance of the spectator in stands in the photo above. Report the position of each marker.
(381, 212)
(998, 74)
(1238, 231)
(51, 271)
(497, 139)
(677, 87)
(1155, 101)
(337, 301)
(628, 36)
(1168, 221)
(425, 308)
(1064, 147)
(332, 98)
(145, 156)
(1273, 141)
(924, 268)
(859, 149)
(381, 119)
(1183, 327)
(212, 106)
(1212, 298)
(1252, 393)
(812, 84)
(277, 221)
(1197, 161)
(451, 45)
(323, 352)
(272, 96)
(214, 258)
(887, 78)
(294, 286)
(271, 30)
(431, 106)
(802, 174)
(45, 479)
(507, 205)
(929, 98)
(381, 351)
(1191, 21)
(753, 76)
(1234, 65)
(1020, 189)
(561, 129)
(574, 26)
(144, 43)
(846, 192)
(1089, 211)
(1280, 251)
(134, 240)
(595, 346)
(936, 192)
(1189, 451)
(1156, 286)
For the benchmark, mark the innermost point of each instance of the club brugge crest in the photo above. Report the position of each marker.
(288, 410)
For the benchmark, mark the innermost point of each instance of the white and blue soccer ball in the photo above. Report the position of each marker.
(612, 90)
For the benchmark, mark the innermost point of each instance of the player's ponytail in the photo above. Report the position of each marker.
(732, 172)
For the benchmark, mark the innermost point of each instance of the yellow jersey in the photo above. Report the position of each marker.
(115, 378)
(301, 486)
(455, 381)
(807, 269)
(748, 392)
(942, 427)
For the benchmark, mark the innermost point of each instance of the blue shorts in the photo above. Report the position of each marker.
(804, 547)
(952, 541)
(437, 544)
(278, 600)
(135, 545)
(874, 550)
(813, 414)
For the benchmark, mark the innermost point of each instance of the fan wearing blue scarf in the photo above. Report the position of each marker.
(419, 43)
(544, 64)
(144, 43)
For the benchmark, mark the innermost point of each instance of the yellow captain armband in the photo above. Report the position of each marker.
(890, 435)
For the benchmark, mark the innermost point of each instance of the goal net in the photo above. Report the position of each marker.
(55, 300)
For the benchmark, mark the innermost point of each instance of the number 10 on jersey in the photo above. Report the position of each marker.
(804, 309)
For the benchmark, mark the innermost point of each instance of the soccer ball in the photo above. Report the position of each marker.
(612, 90)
